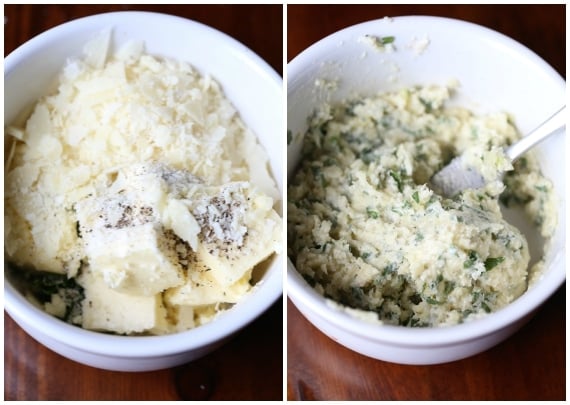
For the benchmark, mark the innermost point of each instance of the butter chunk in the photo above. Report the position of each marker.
(130, 252)
(184, 318)
(179, 318)
(202, 288)
(109, 310)
(239, 229)
(45, 223)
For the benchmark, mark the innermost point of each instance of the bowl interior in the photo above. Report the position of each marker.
(253, 87)
(492, 71)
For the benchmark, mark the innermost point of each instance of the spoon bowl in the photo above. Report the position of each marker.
(459, 175)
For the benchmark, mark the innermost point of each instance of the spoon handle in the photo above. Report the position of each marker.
(543, 131)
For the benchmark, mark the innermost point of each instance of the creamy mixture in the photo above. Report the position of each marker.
(366, 231)
(136, 200)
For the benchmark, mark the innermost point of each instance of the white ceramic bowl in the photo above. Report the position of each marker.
(254, 88)
(495, 73)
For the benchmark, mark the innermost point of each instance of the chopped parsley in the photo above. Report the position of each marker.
(397, 178)
(380, 42)
(492, 262)
(416, 197)
(427, 105)
(42, 285)
(471, 260)
(389, 269)
(432, 301)
(372, 213)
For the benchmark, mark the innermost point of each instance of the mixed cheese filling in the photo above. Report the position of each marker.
(366, 231)
(136, 199)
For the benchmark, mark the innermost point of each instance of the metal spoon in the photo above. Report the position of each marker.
(456, 176)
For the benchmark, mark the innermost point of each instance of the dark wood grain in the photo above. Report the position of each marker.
(528, 366)
(250, 367)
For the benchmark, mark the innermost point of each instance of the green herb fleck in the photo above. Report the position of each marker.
(396, 211)
(416, 197)
(42, 285)
(329, 162)
(448, 287)
(387, 40)
(431, 200)
(367, 155)
(471, 260)
(432, 301)
(372, 213)
(358, 294)
(391, 268)
(492, 262)
(427, 105)
(397, 178)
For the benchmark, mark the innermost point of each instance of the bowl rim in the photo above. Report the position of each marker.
(34, 43)
(309, 301)
(305, 57)
(264, 294)
(302, 294)
(224, 325)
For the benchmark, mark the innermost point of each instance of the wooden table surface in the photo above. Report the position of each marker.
(528, 366)
(250, 367)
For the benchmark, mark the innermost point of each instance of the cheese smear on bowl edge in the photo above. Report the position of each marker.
(138, 193)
